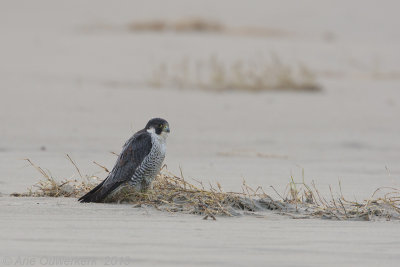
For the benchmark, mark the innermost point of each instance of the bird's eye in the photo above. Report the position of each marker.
(160, 126)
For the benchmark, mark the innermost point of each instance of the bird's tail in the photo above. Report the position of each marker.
(97, 194)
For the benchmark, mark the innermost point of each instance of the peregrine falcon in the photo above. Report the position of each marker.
(138, 164)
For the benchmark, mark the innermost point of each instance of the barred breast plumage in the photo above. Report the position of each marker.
(151, 165)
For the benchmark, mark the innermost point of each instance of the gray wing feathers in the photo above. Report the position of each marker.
(133, 153)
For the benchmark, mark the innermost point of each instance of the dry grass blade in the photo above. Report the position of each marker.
(101, 166)
(76, 167)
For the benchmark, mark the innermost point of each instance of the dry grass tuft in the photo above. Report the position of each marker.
(173, 193)
(198, 25)
(216, 75)
(154, 25)
(250, 153)
(50, 187)
(383, 204)
(183, 25)
(202, 25)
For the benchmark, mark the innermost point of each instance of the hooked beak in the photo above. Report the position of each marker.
(166, 129)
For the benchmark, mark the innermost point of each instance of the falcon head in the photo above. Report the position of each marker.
(159, 126)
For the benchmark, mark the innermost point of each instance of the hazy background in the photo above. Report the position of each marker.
(252, 89)
(78, 77)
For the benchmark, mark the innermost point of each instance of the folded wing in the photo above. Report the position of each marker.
(133, 153)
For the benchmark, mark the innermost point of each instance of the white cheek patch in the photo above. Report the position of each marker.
(164, 135)
(151, 130)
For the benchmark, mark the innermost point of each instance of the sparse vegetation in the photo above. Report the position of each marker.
(202, 25)
(183, 25)
(217, 75)
(175, 194)
(250, 153)
(50, 187)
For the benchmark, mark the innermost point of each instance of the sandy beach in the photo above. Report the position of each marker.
(74, 79)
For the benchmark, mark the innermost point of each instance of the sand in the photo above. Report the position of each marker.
(74, 81)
